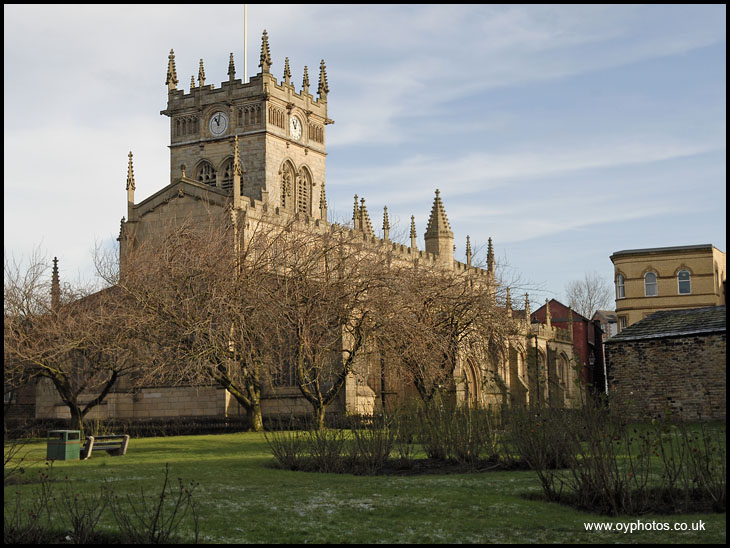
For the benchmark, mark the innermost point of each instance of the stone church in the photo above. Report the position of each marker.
(258, 148)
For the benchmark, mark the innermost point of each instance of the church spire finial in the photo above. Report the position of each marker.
(201, 75)
(438, 237)
(508, 304)
(287, 71)
(192, 83)
(323, 88)
(305, 81)
(231, 69)
(468, 251)
(265, 60)
(527, 308)
(365, 224)
(386, 224)
(171, 81)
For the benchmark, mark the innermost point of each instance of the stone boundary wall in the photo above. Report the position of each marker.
(685, 375)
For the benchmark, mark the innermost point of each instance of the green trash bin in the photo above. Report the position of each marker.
(64, 444)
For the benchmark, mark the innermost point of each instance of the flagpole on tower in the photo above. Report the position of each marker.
(245, 44)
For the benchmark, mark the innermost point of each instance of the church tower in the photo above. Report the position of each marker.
(280, 131)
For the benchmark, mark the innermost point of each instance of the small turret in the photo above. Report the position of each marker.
(171, 81)
(265, 59)
(438, 236)
(365, 224)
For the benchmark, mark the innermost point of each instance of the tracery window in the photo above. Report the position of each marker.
(287, 186)
(304, 193)
(205, 174)
(227, 175)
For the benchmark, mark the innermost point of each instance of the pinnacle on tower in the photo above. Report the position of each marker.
(171, 81)
(356, 215)
(265, 61)
(413, 233)
(237, 167)
(231, 69)
(323, 204)
(386, 224)
(55, 286)
(130, 173)
(287, 71)
(323, 89)
(508, 304)
(201, 74)
(130, 189)
(468, 251)
(548, 316)
(490, 256)
(237, 175)
(192, 83)
(305, 81)
(527, 308)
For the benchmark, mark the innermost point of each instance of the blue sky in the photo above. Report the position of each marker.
(565, 133)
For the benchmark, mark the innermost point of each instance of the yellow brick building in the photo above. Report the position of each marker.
(667, 278)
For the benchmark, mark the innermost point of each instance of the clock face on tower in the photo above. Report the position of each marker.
(295, 127)
(218, 123)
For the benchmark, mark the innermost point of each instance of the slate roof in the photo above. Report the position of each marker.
(675, 323)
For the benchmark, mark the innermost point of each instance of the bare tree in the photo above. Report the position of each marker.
(591, 293)
(323, 309)
(436, 318)
(81, 341)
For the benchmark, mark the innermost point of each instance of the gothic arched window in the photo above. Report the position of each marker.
(304, 193)
(227, 175)
(205, 174)
(287, 186)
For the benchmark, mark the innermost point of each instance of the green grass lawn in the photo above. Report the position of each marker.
(243, 498)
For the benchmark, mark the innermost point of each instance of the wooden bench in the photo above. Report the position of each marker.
(112, 444)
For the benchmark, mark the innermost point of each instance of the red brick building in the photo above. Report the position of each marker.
(587, 340)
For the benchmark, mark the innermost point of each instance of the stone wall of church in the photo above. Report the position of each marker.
(683, 375)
